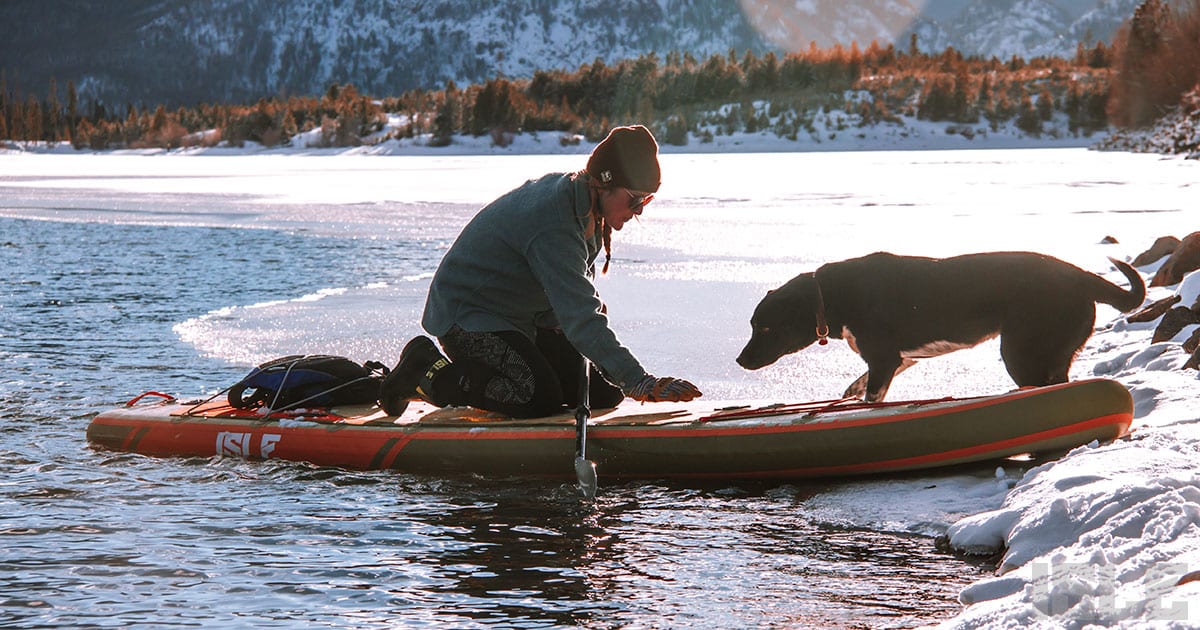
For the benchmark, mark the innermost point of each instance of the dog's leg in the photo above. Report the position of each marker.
(861, 387)
(857, 389)
(1039, 370)
(1039, 353)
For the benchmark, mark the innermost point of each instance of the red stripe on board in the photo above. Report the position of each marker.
(134, 436)
(498, 434)
(891, 464)
(602, 433)
(388, 459)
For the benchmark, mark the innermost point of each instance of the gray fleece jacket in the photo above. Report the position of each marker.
(522, 263)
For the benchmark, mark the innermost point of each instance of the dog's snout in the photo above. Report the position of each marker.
(741, 359)
(749, 359)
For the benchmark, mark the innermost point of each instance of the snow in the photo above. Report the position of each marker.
(1102, 536)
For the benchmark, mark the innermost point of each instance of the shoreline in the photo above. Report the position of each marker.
(831, 134)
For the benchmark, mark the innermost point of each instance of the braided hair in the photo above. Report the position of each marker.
(596, 210)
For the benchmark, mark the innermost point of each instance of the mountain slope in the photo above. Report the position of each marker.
(189, 51)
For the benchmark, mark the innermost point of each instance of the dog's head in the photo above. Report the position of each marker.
(785, 321)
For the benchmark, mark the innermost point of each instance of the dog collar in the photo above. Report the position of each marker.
(822, 326)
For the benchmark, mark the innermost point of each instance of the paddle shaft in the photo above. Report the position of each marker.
(585, 471)
(582, 412)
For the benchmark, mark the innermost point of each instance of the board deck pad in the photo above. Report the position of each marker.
(628, 413)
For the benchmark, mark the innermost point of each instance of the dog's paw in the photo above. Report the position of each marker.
(857, 389)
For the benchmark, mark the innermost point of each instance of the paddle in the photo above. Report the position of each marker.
(585, 470)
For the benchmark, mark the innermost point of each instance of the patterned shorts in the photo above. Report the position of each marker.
(505, 371)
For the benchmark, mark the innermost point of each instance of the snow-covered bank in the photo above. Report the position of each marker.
(1108, 535)
(1178, 132)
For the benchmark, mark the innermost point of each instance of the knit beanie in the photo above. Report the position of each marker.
(627, 158)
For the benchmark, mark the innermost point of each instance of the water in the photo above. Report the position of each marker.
(94, 538)
(119, 279)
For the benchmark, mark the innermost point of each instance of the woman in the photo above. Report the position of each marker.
(513, 303)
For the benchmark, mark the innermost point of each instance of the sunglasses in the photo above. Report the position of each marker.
(637, 202)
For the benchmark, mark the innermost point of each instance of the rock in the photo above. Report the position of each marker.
(1194, 362)
(1193, 342)
(1154, 310)
(1173, 322)
(1185, 258)
(1189, 291)
(1108, 240)
(1163, 246)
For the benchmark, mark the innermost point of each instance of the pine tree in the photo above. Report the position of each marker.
(1099, 56)
(1074, 107)
(160, 120)
(33, 120)
(101, 135)
(53, 114)
(937, 100)
(1045, 104)
(131, 130)
(81, 134)
(448, 114)
(1028, 119)
(961, 104)
(287, 126)
(72, 109)
(1080, 53)
(1140, 90)
(983, 98)
(677, 130)
(5, 114)
(16, 120)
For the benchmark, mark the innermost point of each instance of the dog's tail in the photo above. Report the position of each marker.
(1119, 298)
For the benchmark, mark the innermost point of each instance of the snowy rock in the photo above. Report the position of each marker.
(1184, 259)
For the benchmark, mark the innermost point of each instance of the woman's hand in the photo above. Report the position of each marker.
(663, 389)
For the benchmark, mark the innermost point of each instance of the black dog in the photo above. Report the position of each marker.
(893, 310)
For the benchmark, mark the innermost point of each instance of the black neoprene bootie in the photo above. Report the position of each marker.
(412, 377)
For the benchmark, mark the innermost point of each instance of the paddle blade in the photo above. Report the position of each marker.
(585, 470)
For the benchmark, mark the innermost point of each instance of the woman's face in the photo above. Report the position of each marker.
(622, 204)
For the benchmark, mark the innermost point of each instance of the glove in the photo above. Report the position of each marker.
(664, 389)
